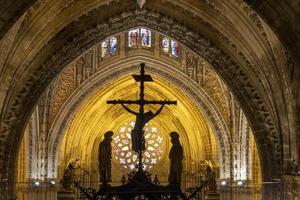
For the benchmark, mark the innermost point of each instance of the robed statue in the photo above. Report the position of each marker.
(137, 139)
(176, 157)
(69, 174)
(211, 179)
(104, 158)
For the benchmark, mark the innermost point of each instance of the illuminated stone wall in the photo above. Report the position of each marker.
(72, 115)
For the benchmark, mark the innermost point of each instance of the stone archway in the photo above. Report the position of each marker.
(66, 47)
(160, 69)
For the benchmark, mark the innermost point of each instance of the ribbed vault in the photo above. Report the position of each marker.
(228, 35)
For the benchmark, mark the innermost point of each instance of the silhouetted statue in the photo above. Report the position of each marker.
(69, 174)
(211, 179)
(138, 131)
(176, 157)
(104, 158)
(123, 180)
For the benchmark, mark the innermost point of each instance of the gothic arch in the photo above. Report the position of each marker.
(160, 69)
(72, 41)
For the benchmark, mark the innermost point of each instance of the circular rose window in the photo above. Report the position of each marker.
(122, 152)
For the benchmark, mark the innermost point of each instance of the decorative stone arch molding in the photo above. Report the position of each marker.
(156, 67)
(73, 40)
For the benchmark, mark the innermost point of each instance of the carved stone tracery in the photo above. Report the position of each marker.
(250, 98)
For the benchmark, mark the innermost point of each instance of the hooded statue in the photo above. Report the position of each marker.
(104, 158)
(176, 157)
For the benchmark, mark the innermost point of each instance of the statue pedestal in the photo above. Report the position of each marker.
(212, 196)
(61, 195)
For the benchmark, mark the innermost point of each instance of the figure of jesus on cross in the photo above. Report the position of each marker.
(142, 117)
(137, 139)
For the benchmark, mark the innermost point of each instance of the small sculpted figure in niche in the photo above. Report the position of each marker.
(211, 179)
(69, 174)
(295, 168)
(176, 157)
(104, 158)
(292, 168)
(137, 133)
(123, 180)
(156, 180)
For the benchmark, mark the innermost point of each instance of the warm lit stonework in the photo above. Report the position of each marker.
(232, 66)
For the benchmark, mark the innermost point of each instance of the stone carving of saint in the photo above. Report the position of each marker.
(69, 174)
(176, 157)
(137, 139)
(104, 158)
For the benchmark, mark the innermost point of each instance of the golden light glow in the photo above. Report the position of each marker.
(94, 117)
(122, 153)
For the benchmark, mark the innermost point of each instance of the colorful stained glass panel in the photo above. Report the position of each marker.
(123, 149)
(104, 48)
(133, 38)
(165, 45)
(146, 37)
(113, 45)
(175, 48)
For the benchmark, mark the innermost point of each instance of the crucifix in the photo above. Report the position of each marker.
(142, 117)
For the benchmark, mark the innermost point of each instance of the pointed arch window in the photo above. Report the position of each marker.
(140, 38)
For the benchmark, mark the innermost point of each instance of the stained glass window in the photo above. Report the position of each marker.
(121, 144)
(175, 48)
(133, 38)
(165, 45)
(146, 37)
(113, 45)
(104, 48)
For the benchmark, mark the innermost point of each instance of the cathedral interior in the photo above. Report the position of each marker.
(233, 66)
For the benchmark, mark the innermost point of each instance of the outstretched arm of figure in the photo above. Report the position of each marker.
(158, 111)
(129, 110)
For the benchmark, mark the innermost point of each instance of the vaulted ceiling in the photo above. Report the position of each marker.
(257, 59)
